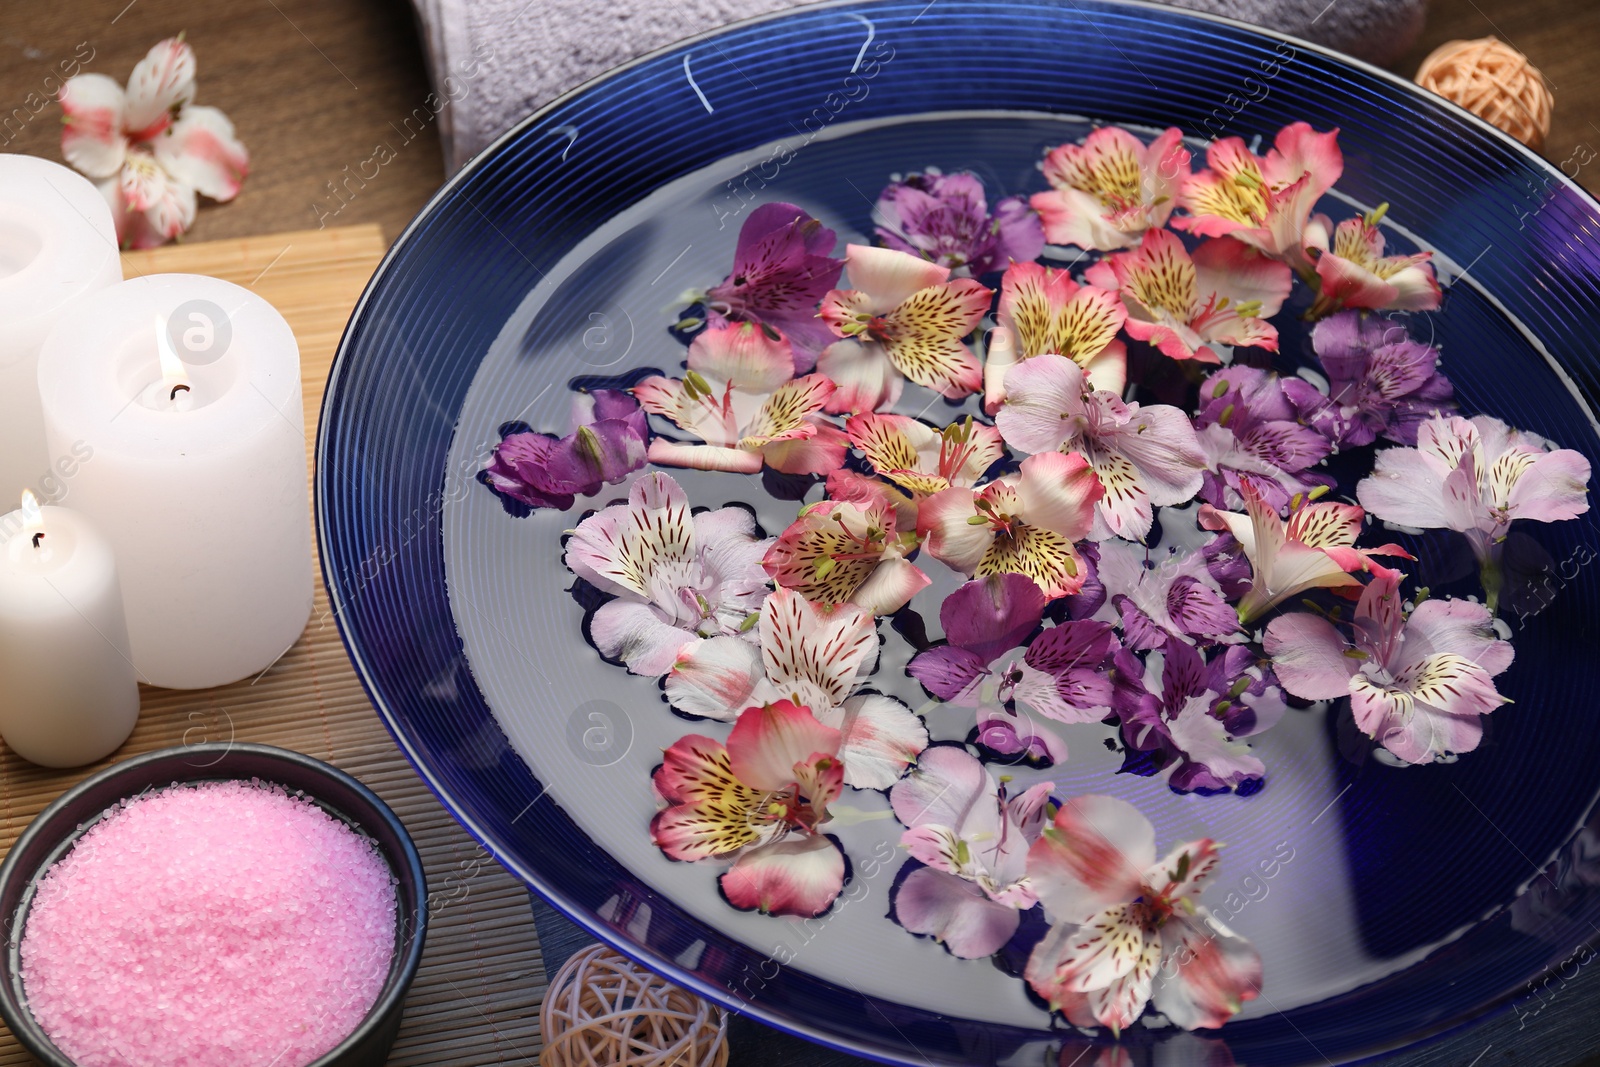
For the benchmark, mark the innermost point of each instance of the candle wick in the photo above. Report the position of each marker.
(37, 538)
(176, 389)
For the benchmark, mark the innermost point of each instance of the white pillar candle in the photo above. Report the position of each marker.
(57, 241)
(197, 472)
(67, 690)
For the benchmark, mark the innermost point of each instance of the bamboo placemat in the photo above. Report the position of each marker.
(476, 998)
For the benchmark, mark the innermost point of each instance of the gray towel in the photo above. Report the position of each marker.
(494, 61)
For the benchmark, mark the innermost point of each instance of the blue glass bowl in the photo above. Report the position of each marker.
(1474, 879)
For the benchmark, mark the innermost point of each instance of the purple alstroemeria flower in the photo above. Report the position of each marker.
(1180, 711)
(1063, 675)
(1380, 382)
(1158, 593)
(983, 620)
(1476, 476)
(1227, 563)
(539, 470)
(782, 268)
(945, 218)
(1249, 429)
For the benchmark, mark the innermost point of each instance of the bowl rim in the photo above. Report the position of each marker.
(407, 867)
(590, 924)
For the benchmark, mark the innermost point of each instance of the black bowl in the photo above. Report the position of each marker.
(59, 826)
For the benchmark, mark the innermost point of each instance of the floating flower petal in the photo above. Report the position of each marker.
(674, 576)
(1418, 683)
(905, 318)
(1043, 310)
(1125, 926)
(1222, 293)
(945, 219)
(1107, 192)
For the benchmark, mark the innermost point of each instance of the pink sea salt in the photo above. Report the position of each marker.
(228, 924)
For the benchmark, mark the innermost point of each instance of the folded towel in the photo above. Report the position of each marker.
(494, 61)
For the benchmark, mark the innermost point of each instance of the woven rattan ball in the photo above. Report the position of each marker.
(603, 1010)
(1493, 81)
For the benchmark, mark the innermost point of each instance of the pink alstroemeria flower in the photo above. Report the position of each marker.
(1042, 310)
(1142, 456)
(760, 799)
(1264, 201)
(1223, 293)
(973, 840)
(149, 149)
(1112, 188)
(1476, 476)
(1126, 929)
(741, 398)
(1353, 272)
(921, 460)
(904, 318)
(1024, 523)
(1314, 549)
(675, 576)
(820, 660)
(1419, 684)
(838, 552)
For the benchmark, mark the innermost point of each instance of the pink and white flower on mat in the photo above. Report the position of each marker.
(1476, 476)
(1419, 684)
(740, 397)
(817, 659)
(675, 576)
(839, 552)
(1142, 456)
(904, 318)
(1353, 272)
(921, 460)
(759, 800)
(1182, 303)
(973, 840)
(1264, 201)
(1127, 929)
(1106, 192)
(1315, 548)
(1024, 523)
(149, 148)
(1043, 310)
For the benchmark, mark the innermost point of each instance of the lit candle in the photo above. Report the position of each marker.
(67, 690)
(57, 241)
(186, 390)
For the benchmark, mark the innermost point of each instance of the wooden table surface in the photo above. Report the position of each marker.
(314, 85)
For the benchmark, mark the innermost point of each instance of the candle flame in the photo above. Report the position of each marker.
(32, 515)
(173, 373)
